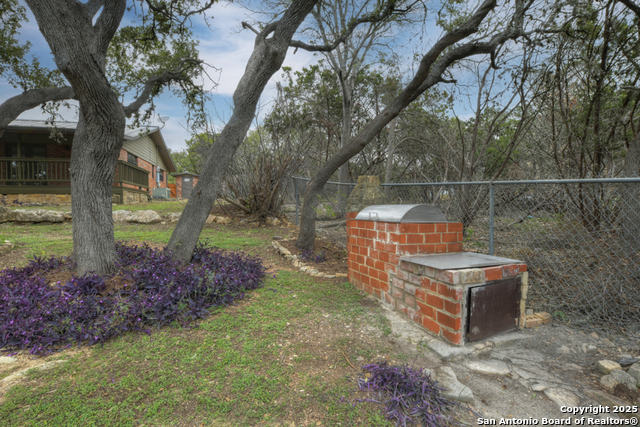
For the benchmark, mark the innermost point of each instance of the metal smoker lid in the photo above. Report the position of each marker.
(459, 260)
(402, 213)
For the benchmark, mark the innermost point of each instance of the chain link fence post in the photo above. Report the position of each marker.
(492, 202)
(297, 196)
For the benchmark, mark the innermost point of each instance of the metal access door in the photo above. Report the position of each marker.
(187, 187)
(493, 308)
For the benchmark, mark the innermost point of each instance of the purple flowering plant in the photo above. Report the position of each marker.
(410, 396)
(40, 316)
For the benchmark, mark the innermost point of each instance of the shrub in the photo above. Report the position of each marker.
(41, 316)
(407, 394)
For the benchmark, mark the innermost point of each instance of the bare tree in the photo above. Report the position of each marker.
(431, 71)
(271, 45)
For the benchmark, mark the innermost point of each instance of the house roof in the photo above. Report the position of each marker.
(184, 173)
(70, 127)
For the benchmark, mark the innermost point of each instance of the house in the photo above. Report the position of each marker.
(35, 168)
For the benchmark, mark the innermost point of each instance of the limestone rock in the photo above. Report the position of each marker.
(494, 367)
(615, 377)
(122, 216)
(634, 371)
(38, 215)
(290, 208)
(174, 217)
(367, 192)
(5, 359)
(146, 217)
(44, 367)
(627, 361)
(448, 352)
(607, 399)
(506, 340)
(272, 221)
(539, 387)
(455, 390)
(606, 366)
(223, 220)
(562, 397)
(211, 219)
(68, 216)
(6, 214)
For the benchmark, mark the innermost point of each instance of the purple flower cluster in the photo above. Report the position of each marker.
(41, 317)
(308, 256)
(408, 395)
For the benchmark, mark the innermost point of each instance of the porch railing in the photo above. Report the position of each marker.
(131, 175)
(34, 171)
(55, 172)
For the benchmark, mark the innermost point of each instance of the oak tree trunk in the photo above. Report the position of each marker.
(79, 48)
(430, 71)
(266, 59)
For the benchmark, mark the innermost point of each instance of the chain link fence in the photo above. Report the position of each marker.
(580, 239)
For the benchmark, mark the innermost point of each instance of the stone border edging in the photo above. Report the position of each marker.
(297, 263)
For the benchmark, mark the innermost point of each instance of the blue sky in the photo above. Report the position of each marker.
(224, 46)
(227, 47)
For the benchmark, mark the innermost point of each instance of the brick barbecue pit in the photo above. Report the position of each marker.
(411, 257)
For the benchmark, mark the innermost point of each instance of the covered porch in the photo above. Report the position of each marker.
(31, 176)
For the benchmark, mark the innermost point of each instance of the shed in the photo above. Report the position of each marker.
(185, 182)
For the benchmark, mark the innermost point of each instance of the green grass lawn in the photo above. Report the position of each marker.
(56, 239)
(283, 356)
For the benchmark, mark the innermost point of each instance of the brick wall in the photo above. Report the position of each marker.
(437, 299)
(434, 299)
(375, 248)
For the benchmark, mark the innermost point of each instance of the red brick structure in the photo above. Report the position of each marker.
(388, 260)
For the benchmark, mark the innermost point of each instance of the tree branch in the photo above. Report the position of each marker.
(167, 12)
(632, 6)
(93, 6)
(371, 18)
(13, 107)
(153, 81)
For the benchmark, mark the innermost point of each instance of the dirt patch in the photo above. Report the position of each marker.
(328, 258)
(12, 258)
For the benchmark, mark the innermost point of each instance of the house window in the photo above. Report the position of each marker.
(159, 176)
(132, 159)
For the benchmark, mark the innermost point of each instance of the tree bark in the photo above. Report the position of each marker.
(347, 115)
(79, 48)
(430, 71)
(391, 148)
(265, 61)
(14, 106)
